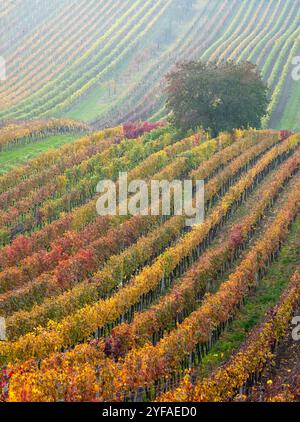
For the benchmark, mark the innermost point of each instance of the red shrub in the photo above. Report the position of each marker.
(284, 134)
(133, 130)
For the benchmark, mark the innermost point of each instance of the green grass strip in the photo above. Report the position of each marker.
(23, 153)
(256, 305)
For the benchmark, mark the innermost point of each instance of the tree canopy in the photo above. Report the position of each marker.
(217, 97)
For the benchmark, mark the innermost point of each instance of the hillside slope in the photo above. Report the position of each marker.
(104, 61)
(124, 308)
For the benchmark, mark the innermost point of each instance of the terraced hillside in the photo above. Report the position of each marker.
(138, 308)
(103, 61)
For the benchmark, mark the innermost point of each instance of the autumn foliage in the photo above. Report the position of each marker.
(123, 307)
(133, 130)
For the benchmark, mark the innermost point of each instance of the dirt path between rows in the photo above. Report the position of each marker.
(282, 381)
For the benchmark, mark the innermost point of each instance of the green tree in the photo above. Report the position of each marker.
(216, 97)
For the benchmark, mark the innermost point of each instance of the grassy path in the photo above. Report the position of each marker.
(257, 304)
(291, 115)
(23, 153)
